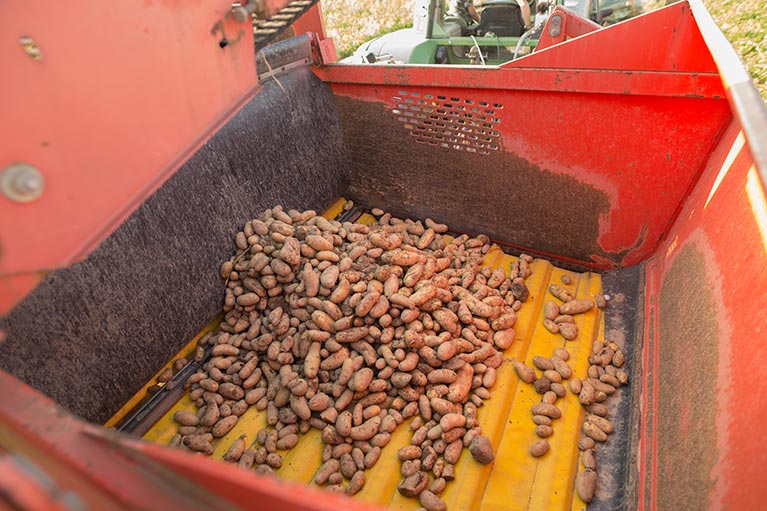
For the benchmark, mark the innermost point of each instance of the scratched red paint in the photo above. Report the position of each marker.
(726, 233)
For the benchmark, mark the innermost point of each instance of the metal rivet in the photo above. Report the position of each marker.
(21, 182)
(30, 48)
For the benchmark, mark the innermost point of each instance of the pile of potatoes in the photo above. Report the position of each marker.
(352, 329)
(605, 376)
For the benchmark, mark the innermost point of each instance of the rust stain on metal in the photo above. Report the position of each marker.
(688, 354)
(500, 194)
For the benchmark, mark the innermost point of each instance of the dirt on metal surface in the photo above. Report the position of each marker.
(500, 194)
(688, 356)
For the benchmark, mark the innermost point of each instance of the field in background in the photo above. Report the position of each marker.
(744, 22)
(352, 22)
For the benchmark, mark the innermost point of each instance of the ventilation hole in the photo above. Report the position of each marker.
(404, 93)
(448, 122)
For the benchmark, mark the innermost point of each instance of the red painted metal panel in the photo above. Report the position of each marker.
(643, 152)
(108, 470)
(562, 25)
(725, 220)
(667, 39)
(607, 81)
(120, 98)
(311, 21)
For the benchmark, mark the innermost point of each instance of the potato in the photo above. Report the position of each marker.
(542, 385)
(550, 310)
(618, 359)
(551, 326)
(235, 450)
(600, 422)
(544, 431)
(575, 385)
(224, 426)
(568, 331)
(367, 430)
(482, 450)
(413, 484)
(561, 367)
(593, 431)
(589, 460)
(410, 452)
(452, 420)
(549, 397)
(186, 418)
(576, 307)
(176, 440)
(542, 363)
(356, 483)
(539, 448)
(525, 373)
(585, 484)
(431, 502)
(504, 338)
(546, 409)
(459, 389)
(560, 292)
(199, 443)
(247, 459)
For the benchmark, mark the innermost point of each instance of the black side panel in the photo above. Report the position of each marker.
(616, 458)
(91, 335)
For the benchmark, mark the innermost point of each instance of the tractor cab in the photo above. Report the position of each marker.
(502, 18)
(438, 38)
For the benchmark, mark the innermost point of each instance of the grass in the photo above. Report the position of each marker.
(744, 22)
(352, 22)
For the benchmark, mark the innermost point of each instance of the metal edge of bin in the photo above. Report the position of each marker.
(746, 103)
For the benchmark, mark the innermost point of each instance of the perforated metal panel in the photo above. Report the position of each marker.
(451, 122)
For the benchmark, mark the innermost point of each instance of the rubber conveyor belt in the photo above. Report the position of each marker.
(516, 480)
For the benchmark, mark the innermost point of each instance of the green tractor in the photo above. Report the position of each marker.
(437, 38)
(500, 36)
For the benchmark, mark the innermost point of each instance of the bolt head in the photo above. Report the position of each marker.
(20, 182)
